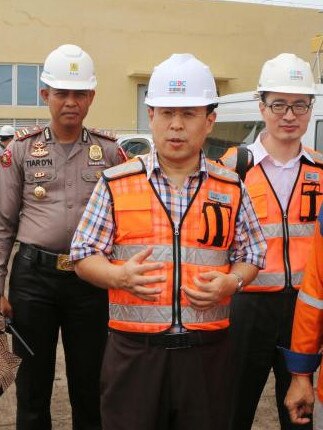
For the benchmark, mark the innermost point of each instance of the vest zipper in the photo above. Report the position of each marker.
(288, 279)
(177, 268)
(286, 259)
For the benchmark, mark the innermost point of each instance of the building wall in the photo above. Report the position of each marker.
(126, 38)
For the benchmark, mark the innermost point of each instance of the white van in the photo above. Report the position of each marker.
(239, 122)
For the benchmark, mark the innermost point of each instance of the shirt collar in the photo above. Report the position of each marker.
(152, 164)
(260, 153)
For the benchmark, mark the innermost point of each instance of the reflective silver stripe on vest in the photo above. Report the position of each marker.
(276, 279)
(191, 255)
(295, 230)
(123, 169)
(312, 301)
(218, 313)
(220, 171)
(163, 314)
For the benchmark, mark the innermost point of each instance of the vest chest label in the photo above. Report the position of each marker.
(219, 197)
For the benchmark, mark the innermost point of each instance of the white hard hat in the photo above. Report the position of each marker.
(181, 80)
(69, 68)
(7, 130)
(287, 73)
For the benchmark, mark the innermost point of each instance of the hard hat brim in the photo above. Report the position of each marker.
(70, 85)
(180, 101)
(288, 90)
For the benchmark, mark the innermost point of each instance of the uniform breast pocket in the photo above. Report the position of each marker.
(133, 215)
(41, 185)
(258, 194)
(90, 177)
(215, 225)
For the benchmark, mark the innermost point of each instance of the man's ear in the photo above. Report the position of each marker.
(44, 92)
(92, 94)
(151, 113)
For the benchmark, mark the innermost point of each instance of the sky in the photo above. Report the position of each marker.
(312, 4)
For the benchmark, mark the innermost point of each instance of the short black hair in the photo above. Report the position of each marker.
(209, 108)
(263, 95)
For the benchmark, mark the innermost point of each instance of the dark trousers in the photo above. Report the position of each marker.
(152, 388)
(259, 323)
(43, 301)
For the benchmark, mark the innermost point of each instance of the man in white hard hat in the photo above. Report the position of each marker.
(7, 133)
(172, 236)
(46, 178)
(285, 183)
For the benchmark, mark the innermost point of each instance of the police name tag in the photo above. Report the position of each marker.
(219, 197)
(312, 176)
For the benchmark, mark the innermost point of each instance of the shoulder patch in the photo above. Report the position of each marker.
(6, 158)
(217, 171)
(23, 133)
(131, 167)
(103, 132)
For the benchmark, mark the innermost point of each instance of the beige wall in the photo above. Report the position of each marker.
(126, 38)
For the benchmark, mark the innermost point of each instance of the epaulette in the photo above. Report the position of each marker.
(131, 167)
(316, 155)
(217, 171)
(103, 132)
(23, 133)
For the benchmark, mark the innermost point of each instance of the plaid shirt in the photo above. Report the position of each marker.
(95, 232)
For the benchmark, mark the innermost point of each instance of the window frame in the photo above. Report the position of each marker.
(14, 86)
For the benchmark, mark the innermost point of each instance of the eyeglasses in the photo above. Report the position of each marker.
(282, 108)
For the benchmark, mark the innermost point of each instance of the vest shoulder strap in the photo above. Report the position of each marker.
(239, 159)
(215, 170)
(317, 156)
(129, 168)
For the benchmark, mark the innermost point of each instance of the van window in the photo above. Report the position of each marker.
(319, 136)
(227, 134)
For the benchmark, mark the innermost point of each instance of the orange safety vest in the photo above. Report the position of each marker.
(289, 234)
(199, 244)
(308, 328)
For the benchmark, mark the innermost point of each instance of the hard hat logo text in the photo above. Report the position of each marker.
(296, 75)
(74, 68)
(177, 87)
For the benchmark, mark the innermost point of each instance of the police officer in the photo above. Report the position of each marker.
(7, 133)
(46, 179)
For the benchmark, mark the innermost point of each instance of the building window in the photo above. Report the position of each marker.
(5, 84)
(23, 123)
(20, 84)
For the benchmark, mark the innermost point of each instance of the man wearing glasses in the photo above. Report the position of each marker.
(285, 183)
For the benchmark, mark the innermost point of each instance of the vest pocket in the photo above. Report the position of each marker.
(259, 199)
(215, 225)
(133, 215)
(311, 200)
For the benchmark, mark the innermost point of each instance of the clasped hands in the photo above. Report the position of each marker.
(212, 287)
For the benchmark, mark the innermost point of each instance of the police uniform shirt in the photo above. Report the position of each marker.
(44, 188)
